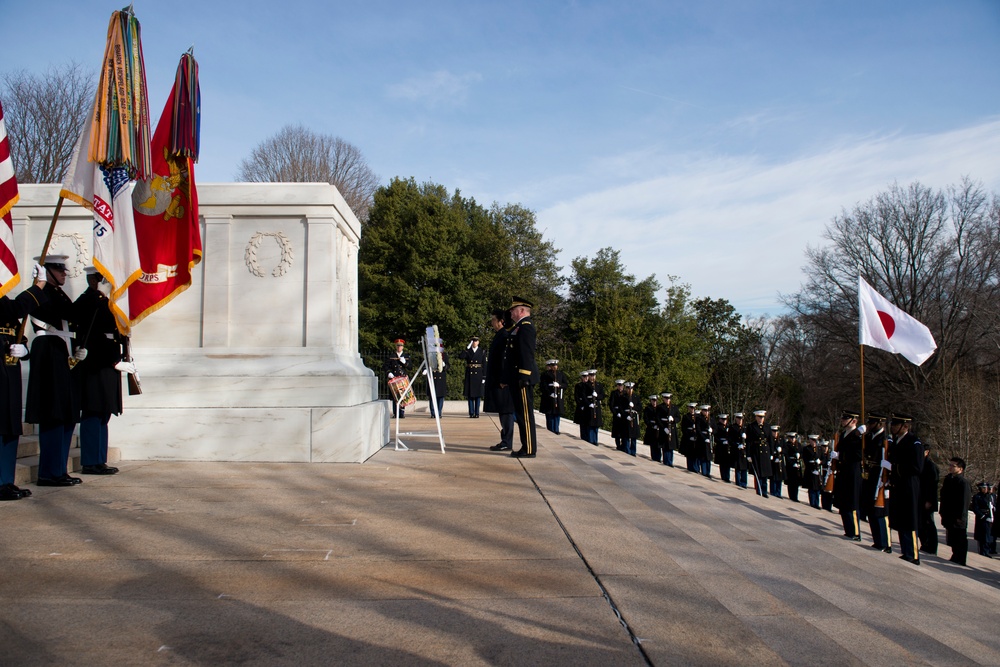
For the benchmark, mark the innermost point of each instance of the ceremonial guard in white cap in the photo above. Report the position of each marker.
(847, 483)
(53, 400)
(11, 312)
(812, 469)
(689, 436)
(651, 431)
(629, 405)
(777, 461)
(617, 418)
(906, 460)
(582, 398)
(553, 385)
(872, 507)
(793, 465)
(738, 444)
(588, 407)
(669, 417)
(475, 375)
(100, 374)
(759, 448)
(521, 374)
(723, 449)
(705, 441)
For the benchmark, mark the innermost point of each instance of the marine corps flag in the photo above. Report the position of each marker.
(9, 275)
(166, 206)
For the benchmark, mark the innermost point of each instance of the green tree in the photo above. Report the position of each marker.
(731, 348)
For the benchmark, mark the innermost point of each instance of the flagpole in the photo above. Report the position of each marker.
(862, 383)
(10, 360)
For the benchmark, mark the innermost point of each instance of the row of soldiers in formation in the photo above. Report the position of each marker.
(76, 360)
(869, 472)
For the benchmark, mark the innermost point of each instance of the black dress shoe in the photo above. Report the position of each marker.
(521, 454)
(10, 492)
(500, 447)
(856, 538)
(72, 480)
(62, 481)
(915, 561)
(887, 550)
(99, 469)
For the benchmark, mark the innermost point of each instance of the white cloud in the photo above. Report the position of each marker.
(434, 89)
(736, 227)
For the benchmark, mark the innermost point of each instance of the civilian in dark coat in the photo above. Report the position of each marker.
(956, 494)
(929, 480)
(98, 374)
(984, 508)
(11, 312)
(498, 399)
(906, 455)
(847, 484)
(53, 400)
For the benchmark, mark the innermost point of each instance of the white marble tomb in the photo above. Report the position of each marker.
(258, 360)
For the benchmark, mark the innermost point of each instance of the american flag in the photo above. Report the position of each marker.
(9, 276)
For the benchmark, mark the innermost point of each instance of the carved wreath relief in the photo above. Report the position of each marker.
(253, 246)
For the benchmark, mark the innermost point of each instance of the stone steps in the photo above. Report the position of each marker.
(26, 471)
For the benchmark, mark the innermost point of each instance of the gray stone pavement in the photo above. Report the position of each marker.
(464, 558)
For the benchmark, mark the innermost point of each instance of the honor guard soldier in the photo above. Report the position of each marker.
(847, 484)
(100, 374)
(521, 374)
(651, 433)
(777, 461)
(11, 312)
(629, 405)
(759, 448)
(873, 481)
(553, 384)
(617, 418)
(689, 435)
(793, 465)
(705, 440)
(397, 365)
(668, 416)
(738, 445)
(723, 450)
(498, 398)
(591, 416)
(439, 376)
(475, 375)
(582, 398)
(812, 469)
(53, 400)
(929, 481)
(906, 460)
(826, 490)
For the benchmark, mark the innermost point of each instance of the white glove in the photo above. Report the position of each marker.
(591, 405)
(710, 429)
(469, 346)
(629, 419)
(80, 354)
(885, 464)
(743, 436)
(742, 447)
(834, 456)
(125, 367)
(707, 440)
(779, 450)
(594, 395)
(17, 350)
(38, 272)
(671, 417)
(862, 429)
(816, 472)
(556, 385)
(392, 376)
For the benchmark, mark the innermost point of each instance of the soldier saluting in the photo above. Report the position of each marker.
(475, 375)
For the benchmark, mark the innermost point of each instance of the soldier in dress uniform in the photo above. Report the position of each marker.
(826, 490)
(473, 386)
(629, 405)
(812, 469)
(759, 446)
(53, 400)
(723, 450)
(738, 444)
(651, 434)
(847, 483)
(553, 385)
(668, 416)
(929, 478)
(100, 374)
(582, 398)
(521, 374)
(594, 413)
(777, 461)
(906, 460)
(397, 365)
(704, 442)
(617, 418)
(689, 435)
(499, 399)
(440, 378)
(872, 505)
(13, 349)
(793, 465)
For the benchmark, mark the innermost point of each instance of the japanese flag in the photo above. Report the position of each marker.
(886, 327)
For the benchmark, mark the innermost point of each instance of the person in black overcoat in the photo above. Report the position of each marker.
(651, 433)
(99, 374)
(498, 398)
(53, 400)
(777, 461)
(704, 441)
(688, 436)
(397, 365)
(581, 401)
(617, 418)
(793, 465)
(473, 387)
(812, 470)
(520, 374)
(629, 405)
(906, 456)
(984, 509)
(930, 478)
(738, 444)
(759, 451)
(872, 507)
(440, 379)
(847, 483)
(13, 350)
(669, 416)
(956, 495)
(553, 385)
(723, 453)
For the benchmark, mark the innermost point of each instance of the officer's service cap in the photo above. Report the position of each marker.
(983, 485)
(692, 405)
(876, 416)
(813, 436)
(738, 415)
(55, 261)
(774, 427)
(474, 338)
(399, 341)
(723, 417)
(629, 384)
(901, 419)
(654, 397)
(552, 362)
(592, 371)
(759, 413)
(666, 394)
(850, 414)
(520, 301)
(619, 381)
(704, 407)
(584, 374)
(791, 434)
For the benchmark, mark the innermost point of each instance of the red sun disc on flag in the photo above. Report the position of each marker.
(888, 323)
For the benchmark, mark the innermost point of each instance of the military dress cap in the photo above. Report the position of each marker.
(901, 419)
(759, 413)
(775, 427)
(520, 301)
(850, 414)
(584, 374)
(791, 434)
(91, 270)
(876, 416)
(619, 381)
(399, 341)
(705, 406)
(592, 371)
(629, 384)
(666, 394)
(983, 485)
(654, 397)
(55, 261)
(474, 338)
(692, 405)
(813, 437)
(738, 415)
(723, 417)
(551, 362)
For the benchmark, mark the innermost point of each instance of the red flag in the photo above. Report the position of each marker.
(9, 276)
(166, 206)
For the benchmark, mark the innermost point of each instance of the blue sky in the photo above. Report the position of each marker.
(706, 140)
